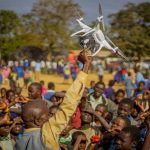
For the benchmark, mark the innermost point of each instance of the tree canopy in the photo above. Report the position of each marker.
(131, 29)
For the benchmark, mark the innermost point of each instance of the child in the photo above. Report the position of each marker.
(66, 72)
(91, 89)
(35, 91)
(128, 138)
(3, 93)
(79, 141)
(43, 132)
(124, 110)
(119, 96)
(129, 85)
(44, 89)
(140, 89)
(108, 141)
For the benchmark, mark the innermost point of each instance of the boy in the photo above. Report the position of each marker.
(35, 91)
(128, 138)
(124, 109)
(43, 132)
(79, 141)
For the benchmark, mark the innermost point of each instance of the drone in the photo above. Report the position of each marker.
(94, 39)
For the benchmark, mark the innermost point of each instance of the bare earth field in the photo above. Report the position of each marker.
(60, 84)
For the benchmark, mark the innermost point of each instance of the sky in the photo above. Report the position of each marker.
(89, 7)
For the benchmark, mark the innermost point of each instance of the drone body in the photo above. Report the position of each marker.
(94, 38)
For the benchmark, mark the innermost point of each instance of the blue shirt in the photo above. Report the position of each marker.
(19, 72)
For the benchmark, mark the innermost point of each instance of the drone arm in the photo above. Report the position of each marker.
(78, 32)
(100, 47)
(96, 39)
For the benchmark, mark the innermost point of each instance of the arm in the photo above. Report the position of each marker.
(146, 145)
(55, 125)
(76, 144)
(102, 121)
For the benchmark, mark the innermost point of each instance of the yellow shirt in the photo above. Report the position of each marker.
(52, 129)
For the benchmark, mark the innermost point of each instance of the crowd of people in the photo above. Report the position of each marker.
(98, 117)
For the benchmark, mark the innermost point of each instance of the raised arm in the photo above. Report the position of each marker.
(52, 129)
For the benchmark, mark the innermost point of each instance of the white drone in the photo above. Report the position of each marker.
(94, 39)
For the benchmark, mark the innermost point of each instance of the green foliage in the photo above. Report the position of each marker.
(131, 28)
(51, 19)
(8, 21)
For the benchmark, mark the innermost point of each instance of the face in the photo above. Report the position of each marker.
(92, 84)
(124, 141)
(141, 86)
(3, 92)
(117, 125)
(33, 92)
(17, 129)
(82, 145)
(18, 91)
(4, 130)
(100, 110)
(98, 90)
(86, 117)
(11, 96)
(123, 110)
(119, 97)
(55, 101)
(146, 95)
(52, 111)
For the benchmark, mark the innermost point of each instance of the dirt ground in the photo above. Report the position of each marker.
(60, 84)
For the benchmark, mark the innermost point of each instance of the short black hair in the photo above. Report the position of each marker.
(141, 82)
(37, 85)
(126, 120)
(42, 82)
(102, 105)
(102, 83)
(133, 131)
(51, 85)
(111, 82)
(128, 102)
(75, 136)
(9, 91)
(120, 91)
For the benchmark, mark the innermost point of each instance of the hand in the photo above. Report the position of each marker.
(60, 94)
(6, 119)
(64, 147)
(3, 105)
(85, 57)
(148, 122)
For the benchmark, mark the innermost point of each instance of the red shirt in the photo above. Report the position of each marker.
(75, 120)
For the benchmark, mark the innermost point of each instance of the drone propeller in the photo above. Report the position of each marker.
(78, 14)
(101, 16)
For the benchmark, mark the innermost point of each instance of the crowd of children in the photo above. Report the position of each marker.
(81, 118)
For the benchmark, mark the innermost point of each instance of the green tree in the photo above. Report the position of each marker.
(131, 29)
(51, 20)
(9, 23)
